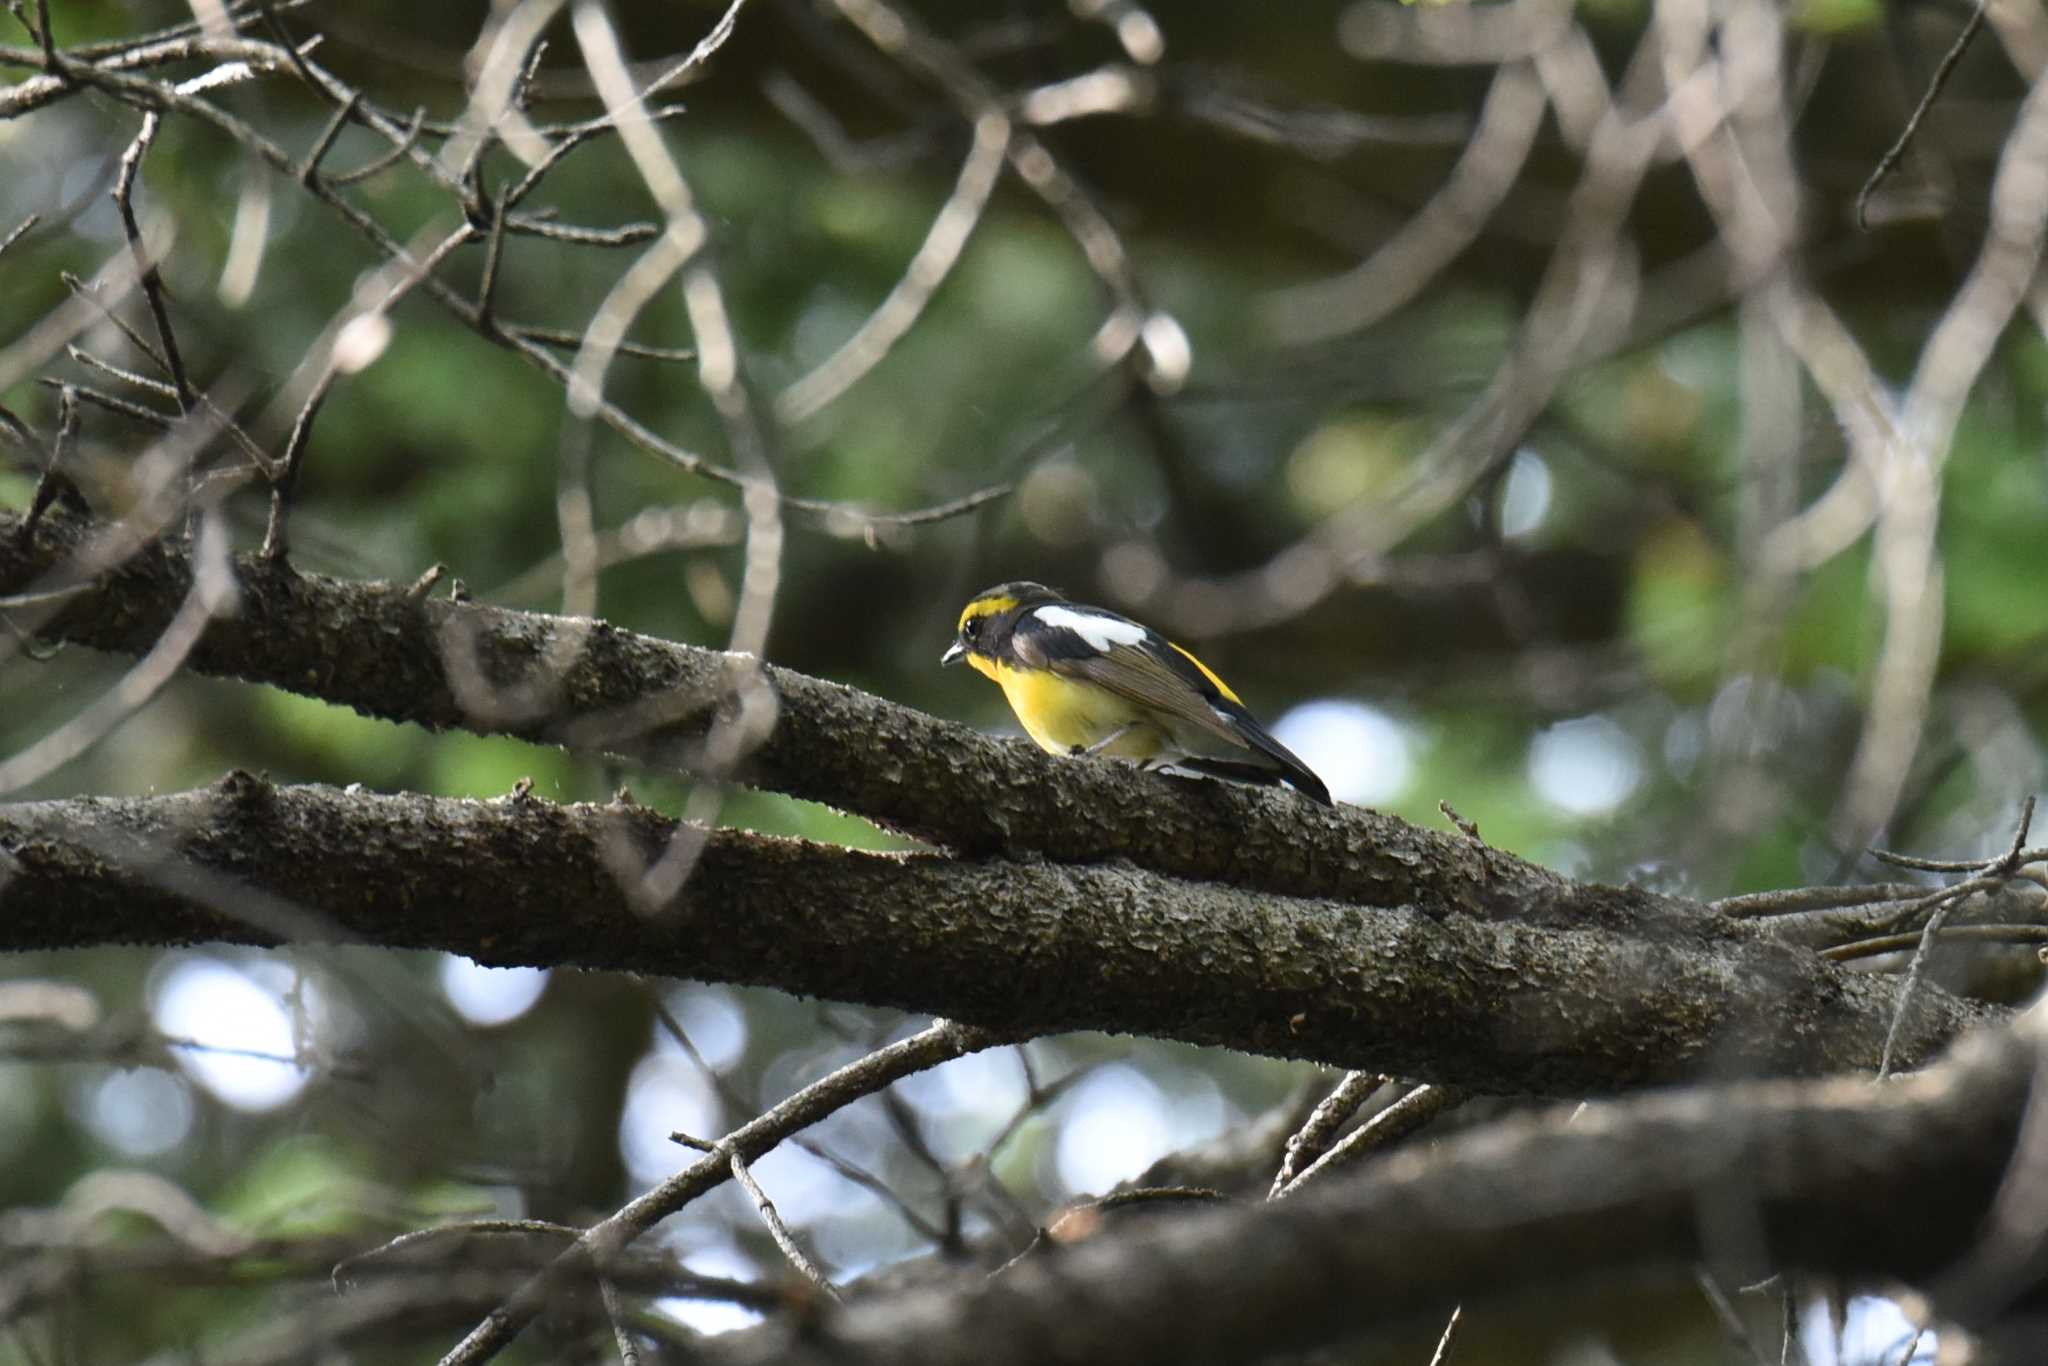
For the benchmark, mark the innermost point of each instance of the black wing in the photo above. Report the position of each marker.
(1129, 660)
(1144, 666)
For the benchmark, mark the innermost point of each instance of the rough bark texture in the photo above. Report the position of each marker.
(597, 689)
(1840, 1177)
(1013, 946)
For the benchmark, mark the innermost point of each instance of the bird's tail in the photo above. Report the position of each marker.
(1283, 766)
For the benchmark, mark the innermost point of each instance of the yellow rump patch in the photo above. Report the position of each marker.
(1210, 674)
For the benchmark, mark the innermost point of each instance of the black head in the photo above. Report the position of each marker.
(989, 615)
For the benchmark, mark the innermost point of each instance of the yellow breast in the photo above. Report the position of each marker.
(1062, 714)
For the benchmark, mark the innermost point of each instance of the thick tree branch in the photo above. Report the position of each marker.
(596, 689)
(1017, 947)
(1842, 1177)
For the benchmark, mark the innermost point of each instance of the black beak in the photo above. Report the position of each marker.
(954, 654)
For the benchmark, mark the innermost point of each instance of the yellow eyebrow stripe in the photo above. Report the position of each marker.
(1210, 674)
(984, 607)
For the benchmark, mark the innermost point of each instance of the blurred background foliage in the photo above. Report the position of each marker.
(1564, 655)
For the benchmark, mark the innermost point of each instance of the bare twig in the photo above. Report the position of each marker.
(554, 336)
(385, 160)
(838, 514)
(1939, 82)
(168, 392)
(1893, 943)
(779, 1231)
(19, 231)
(405, 1242)
(1313, 1138)
(1793, 900)
(275, 543)
(1996, 871)
(310, 167)
(145, 262)
(615, 1313)
(494, 250)
(1442, 1355)
(1731, 1321)
(54, 482)
(163, 389)
(938, 1043)
(12, 601)
(47, 40)
(87, 64)
(88, 294)
(112, 403)
(1397, 1121)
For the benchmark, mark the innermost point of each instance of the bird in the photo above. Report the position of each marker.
(1086, 680)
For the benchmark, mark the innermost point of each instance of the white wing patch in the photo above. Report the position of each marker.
(1098, 629)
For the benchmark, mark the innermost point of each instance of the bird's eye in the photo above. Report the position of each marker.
(972, 630)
